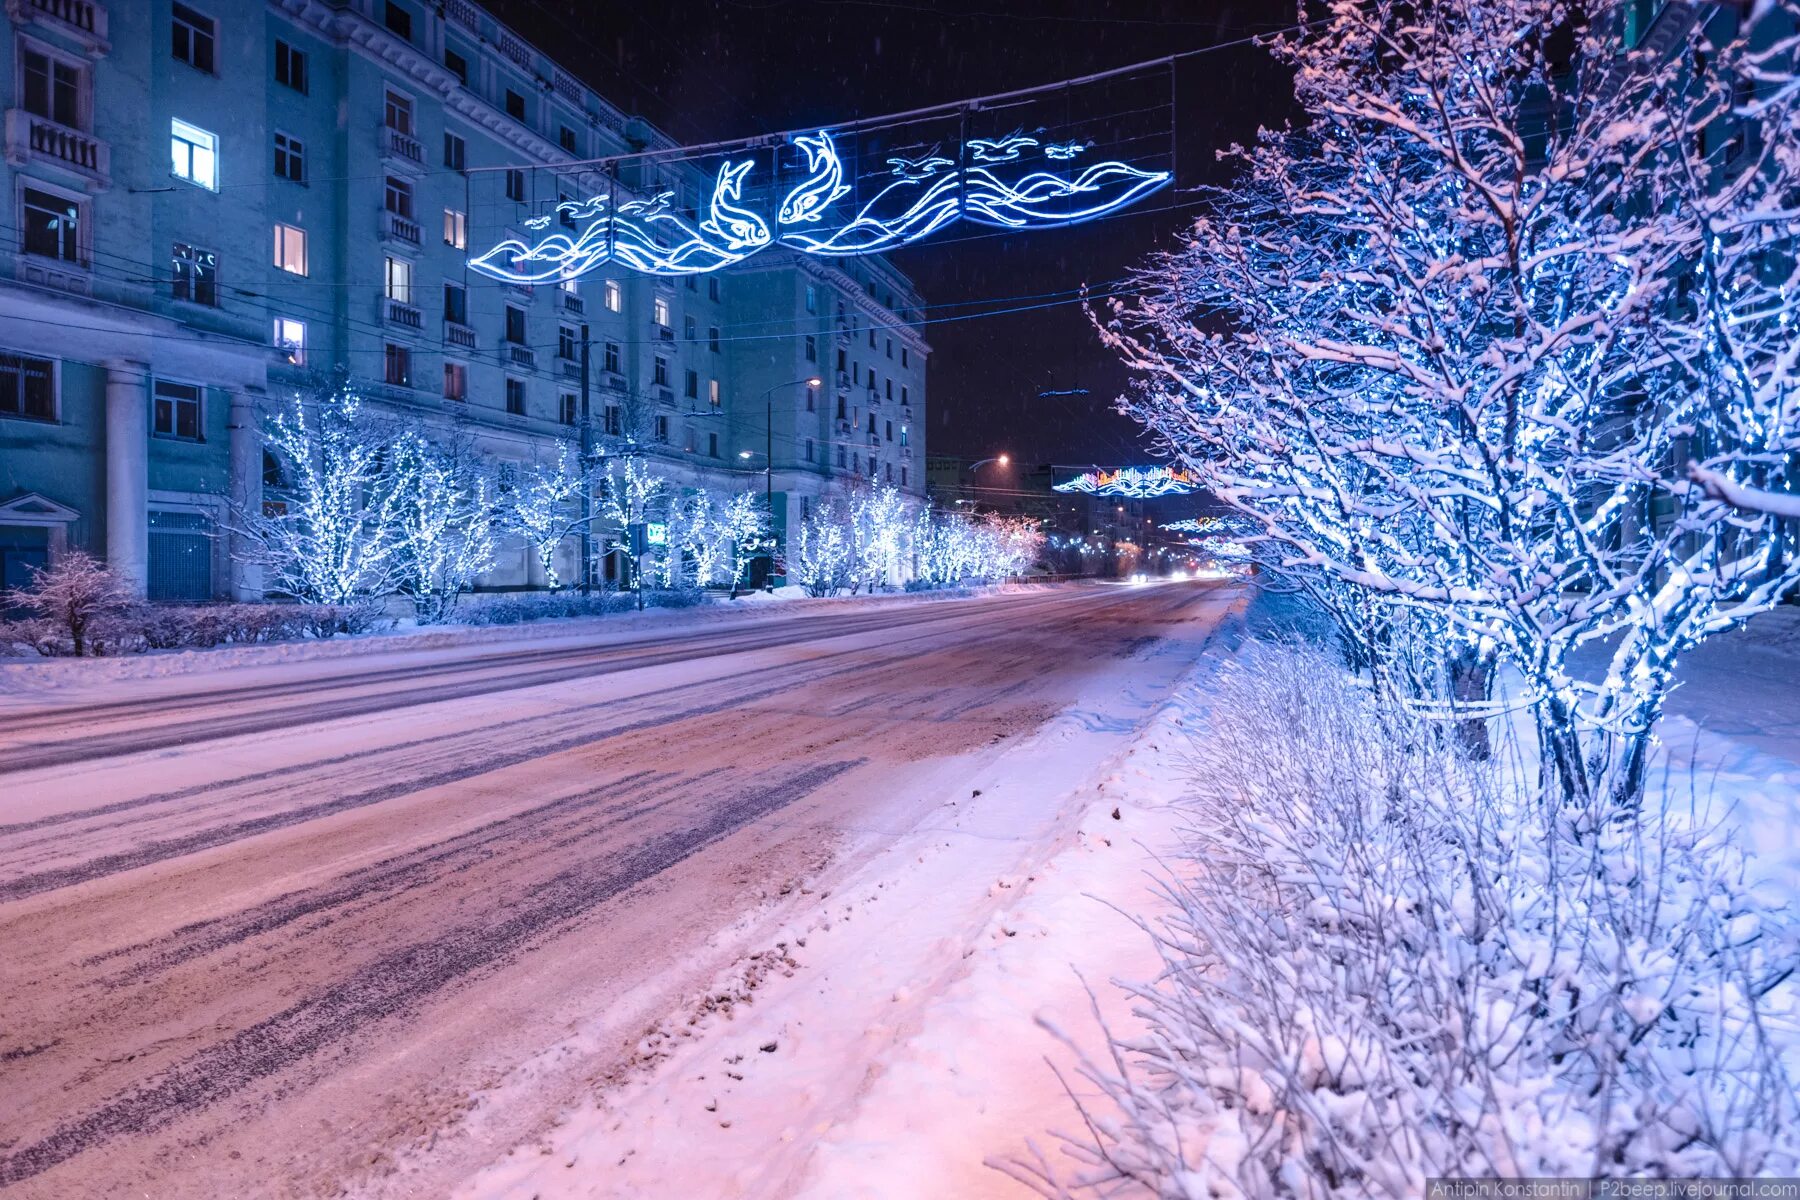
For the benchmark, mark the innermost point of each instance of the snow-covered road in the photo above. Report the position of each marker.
(268, 930)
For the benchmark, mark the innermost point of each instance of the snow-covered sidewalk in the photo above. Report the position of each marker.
(886, 1044)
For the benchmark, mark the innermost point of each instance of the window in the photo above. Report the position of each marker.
(615, 296)
(456, 229)
(515, 105)
(889, 388)
(809, 451)
(398, 360)
(689, 330)
(889, 469)
(52, 88)
(660, 372)
(176, 411)
(713, 289)
(812, 348)
(398, 197)
(290, 67)
(566, 344)
(691, 283)
(903, 435)
(456, 304)
(399, 280)
(515, 325)
(515, 397)
(290, 248)
(456, 381)
(904, 397)
(843, 359)
(840, 409)
(692, 390)
(457, 65)
(872, 471)
(903, 476)
(890, 347)
(195, 274)
(192, 36)
(905, 358)
(290, 340)
(712, 392)
(840, 457)
(712, 445)
(397, 112)
(812, 399)
(871, 337)
(660, 311)
(613, 423)
(290, 158)
(456, 152)
(662, 427)
(568, 408)
(27, 387)
(565, 137)
(612, 358)
(812, 298)
(194, 154)
(398, 21)
(712, 338)
(890, 430)
(515, 183)
(52, 226)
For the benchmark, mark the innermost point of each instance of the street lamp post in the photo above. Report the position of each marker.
(1002, 459)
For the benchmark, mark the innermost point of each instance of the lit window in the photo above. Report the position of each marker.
(290, 340)
(194, 154)
(399, 280)
(615, 296)
(176, 411)
(660, 309)
(195, 274)
(290, 248)
(456, 229)
(712, 392)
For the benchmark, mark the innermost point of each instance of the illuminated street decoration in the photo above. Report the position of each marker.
(1136, 483)
(1194, 525)
(919, 196)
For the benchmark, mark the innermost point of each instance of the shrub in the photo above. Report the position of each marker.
(76, 593)
(1387, 961)
(537, 606)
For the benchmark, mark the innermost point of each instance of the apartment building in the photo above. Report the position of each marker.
(214, 203)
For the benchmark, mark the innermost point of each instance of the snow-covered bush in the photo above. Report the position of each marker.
(515, 608)
(76, 596)
(1386, 961)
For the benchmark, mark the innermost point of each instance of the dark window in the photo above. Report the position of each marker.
(904, 398)
(871, 337)
(515, 105)
(613, 424)
(890, 389)
(712, 444)
(52, 226)
(569, 409)
(515, 325)
(812, 398)
(399, 365)
(841, 414)
(27, 387)
(689, 330)
(612, 358)
(890, 430)
(902, 476)
(290, 67)
(712, 287)
(812, 348)
(905, 359)
(566, 137)
(871, 466)
(177, 411)
(515, 184)
(693, 385)
(52, 89)
(566, 346)
(290, 158)
(397, 113)
(843, 358)
(456, 152)
(712, 338)
(456, 381)
(399, 197)
(192, 36)
(456, 303)
(457, 65)
(809, 450)
(398, 21)
(195, 274)
(840, 456)
(662, 428)
(660, 372)
(890, 347)
(515, 396)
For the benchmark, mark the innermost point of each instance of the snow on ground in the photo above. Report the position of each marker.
(890, 1049)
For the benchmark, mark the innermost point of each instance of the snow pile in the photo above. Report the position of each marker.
(1385, 962)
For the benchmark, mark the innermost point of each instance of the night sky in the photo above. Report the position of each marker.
(709, 71)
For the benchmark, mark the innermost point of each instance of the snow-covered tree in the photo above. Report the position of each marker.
(821, 557)
(544, 504)
(630, 490)
(329, 532)
(746, 527)
(75, 594)
(1452, 342)
(445, 503)
(876, 528)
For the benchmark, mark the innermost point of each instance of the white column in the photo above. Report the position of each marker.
(128, 471)
(245, 424)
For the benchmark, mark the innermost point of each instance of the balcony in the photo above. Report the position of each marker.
(83, 20)
(55, 273)
(874, 398)
(31, 138)
(569, 302)
(398, 312)
(402, 145)
(664, 333)
(400, 228)
(459, 335)
(616, 382)
(569, 368)
(843, 381)
(843, 426)
(521, 356)
(665, 396)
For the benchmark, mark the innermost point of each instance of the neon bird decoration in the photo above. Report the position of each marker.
(919, 197)
(1136, 483)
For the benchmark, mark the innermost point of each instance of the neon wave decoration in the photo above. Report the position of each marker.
(1194, 525)
(923, 196)
(1137, 483)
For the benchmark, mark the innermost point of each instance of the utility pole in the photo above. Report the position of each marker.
(587, 485)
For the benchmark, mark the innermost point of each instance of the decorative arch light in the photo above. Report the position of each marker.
(1135, 483)
(1017, 182)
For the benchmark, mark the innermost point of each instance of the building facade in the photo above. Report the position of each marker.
(215, 203)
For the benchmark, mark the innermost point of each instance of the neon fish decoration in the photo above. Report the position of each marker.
(1136, 483)
(920, 197)
(1194, 525)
